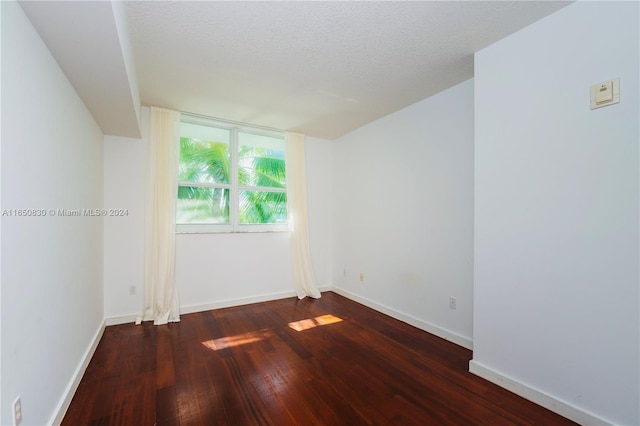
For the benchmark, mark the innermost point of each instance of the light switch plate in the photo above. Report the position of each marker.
(605, 93)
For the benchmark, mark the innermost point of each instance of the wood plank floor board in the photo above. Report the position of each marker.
(258, 365)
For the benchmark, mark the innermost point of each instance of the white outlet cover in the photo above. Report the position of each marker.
(453, 303)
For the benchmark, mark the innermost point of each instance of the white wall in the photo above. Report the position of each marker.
(52, 294)
(403, 189)
(124, 181)
(0, 226)
(212, 270)
(319, 160)
(556, 214)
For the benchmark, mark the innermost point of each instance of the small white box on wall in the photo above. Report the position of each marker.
(605, 93)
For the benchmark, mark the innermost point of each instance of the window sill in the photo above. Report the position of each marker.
(225, 229)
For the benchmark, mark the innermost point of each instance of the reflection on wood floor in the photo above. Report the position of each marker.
(329, 361)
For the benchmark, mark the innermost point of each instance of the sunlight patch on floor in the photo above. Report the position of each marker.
(308, 323)
(240, 339)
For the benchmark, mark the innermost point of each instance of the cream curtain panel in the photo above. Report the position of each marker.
(160, 294)
(303, 278)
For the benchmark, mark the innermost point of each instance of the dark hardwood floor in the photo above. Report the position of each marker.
(344, 365)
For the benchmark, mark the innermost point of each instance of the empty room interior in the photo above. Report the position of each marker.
(467, 172)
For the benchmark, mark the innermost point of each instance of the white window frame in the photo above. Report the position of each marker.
(234, 188)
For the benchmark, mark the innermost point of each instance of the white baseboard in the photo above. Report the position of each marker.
(418, 323)
(235, 302)
(243, 301)
(69, 392)
(190, 309)
(545, 400)
(121, 319)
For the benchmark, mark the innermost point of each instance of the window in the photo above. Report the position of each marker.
(231, 178)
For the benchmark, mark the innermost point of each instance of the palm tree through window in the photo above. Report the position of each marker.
(230, 177)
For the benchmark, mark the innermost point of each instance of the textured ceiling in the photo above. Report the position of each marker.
(321, 68)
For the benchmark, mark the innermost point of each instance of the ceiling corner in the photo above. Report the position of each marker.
(90, 42)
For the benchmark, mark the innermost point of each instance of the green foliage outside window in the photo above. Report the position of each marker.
(205, 195)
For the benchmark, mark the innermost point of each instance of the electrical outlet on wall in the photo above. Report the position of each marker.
(453, 304)
(132, 290)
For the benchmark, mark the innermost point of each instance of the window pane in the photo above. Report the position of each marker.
(204, 154)
(202, 205)
(263, 207)
(261, 161)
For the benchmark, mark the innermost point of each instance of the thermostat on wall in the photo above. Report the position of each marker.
(605, 93)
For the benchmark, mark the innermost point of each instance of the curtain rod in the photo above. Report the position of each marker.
(236, 123)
